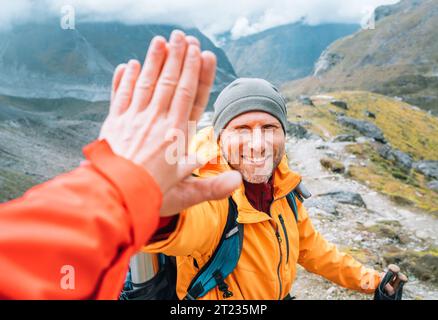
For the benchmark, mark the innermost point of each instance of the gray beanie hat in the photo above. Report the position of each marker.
(248, 94)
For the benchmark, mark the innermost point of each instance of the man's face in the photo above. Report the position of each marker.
(253, 144)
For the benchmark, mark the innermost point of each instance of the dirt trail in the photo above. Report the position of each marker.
(344, 229)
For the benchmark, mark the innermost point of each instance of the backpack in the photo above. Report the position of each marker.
(223, 261)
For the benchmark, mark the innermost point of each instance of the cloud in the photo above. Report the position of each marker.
(240, 17)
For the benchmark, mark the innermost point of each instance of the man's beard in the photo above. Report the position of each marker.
(254, 174)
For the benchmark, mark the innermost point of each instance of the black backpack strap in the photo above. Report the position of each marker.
(223, 261)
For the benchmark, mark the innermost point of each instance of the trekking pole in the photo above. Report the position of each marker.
(142, 267)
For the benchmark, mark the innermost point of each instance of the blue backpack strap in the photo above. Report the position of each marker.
(293, 204)
(300, 192)
(223, 261)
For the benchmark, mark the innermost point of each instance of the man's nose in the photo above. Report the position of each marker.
(256, 143)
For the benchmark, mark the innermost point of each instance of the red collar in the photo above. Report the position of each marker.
(260, 195)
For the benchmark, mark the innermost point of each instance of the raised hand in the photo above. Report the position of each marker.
(171, 89)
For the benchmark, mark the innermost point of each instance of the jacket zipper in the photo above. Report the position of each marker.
(285, 235)
(277, 234)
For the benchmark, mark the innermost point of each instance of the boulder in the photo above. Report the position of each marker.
(345, 138)
(366, 128)
(433, 185)
(297, 130)
(326, 205)
(333, 165)
(427, 167)
(306, 100)
(340, 104)
(370, 114)
(390, 229)
(345, 197)
(399, 158)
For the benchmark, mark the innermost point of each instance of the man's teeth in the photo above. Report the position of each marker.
(255, 159)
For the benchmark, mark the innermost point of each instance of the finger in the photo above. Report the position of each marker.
(394, 269)
(401, 278)
(191, 162)
(118, 73)
(220, 186)
(169, 77)
(389, 289)
(193, 40)
(122, 98)
(182, 102)
(147, 80)
(197, 190)
(206, 80)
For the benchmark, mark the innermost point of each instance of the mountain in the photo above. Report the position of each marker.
(54, 91)
(45, 61)
(283, 53)
(399, 57)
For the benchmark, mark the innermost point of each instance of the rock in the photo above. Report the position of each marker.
(297, 130)
(433, 185)
(368, 224)
(421, 234)
(370, 114)
(331, 290)
(306, 100)
(322, 204)
(339, 103)
(363, 139)
(322, 147)
(330, 153)
(336, 114)
(368, 129)
(345, 197)
(396, 156)
(404, 238)
(427, 167)
(403, 201)
(390, 229)
(345, 138)
(332, 165)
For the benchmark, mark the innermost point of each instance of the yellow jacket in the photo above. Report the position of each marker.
(267, 265)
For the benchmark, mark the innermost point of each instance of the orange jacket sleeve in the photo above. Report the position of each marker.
(323, 258)
(72, 237)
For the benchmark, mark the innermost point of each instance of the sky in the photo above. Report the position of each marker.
(213, 17)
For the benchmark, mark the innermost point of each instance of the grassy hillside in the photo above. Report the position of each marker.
(408, 129)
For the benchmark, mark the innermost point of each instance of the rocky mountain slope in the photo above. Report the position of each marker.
(45, 61)
(396, 58)
(285, 52)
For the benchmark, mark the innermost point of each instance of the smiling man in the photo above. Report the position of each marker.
(248, 135)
